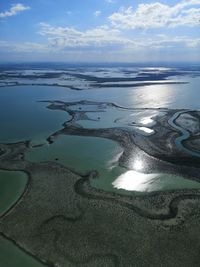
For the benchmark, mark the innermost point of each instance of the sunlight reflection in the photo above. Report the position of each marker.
(155, 96)
(138, 165)
(135, 181)
(146, 121)
(146, 130)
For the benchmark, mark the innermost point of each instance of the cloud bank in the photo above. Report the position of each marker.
(157, 15)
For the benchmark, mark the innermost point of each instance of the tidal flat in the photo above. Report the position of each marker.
(100, 166)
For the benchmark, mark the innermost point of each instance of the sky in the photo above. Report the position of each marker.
(100, 30)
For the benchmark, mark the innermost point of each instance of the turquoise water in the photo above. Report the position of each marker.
(23, 118)
(12, 186)
(12, 256)
(84, 154)
(31, 120)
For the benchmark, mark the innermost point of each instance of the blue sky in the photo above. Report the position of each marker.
(100, 30)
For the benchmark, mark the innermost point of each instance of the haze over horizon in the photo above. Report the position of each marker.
(100, 31)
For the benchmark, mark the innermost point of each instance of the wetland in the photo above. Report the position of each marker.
(98, 165)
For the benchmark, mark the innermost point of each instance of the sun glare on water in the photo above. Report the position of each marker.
(138, 165)
(135, 181)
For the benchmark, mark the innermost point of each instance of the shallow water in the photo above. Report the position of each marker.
(12, 186)
(23, 118)
(84, 154)
(12, 256)
(81, 154)
(31, 120)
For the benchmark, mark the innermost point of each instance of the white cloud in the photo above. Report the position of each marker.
(15, 9)
(70, 37)
(23, 47)
(156, 15)
(96, 41)
(62, 38)
(105, 38)
(97, 13)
